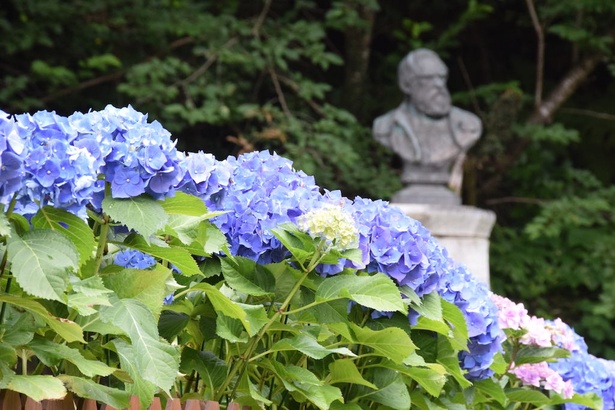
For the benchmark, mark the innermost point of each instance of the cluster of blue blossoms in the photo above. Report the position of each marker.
(46, 159)
(460, 287)
(130, 258)
(53, 160)
(587, 373)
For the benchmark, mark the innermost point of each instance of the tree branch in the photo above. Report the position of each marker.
(278, 90)
(261, 19)
(565, 88)
(540, 57)
(589, 113)
(543, 115)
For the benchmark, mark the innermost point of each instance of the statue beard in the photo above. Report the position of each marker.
(435, 102)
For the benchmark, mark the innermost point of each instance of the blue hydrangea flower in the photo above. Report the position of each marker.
(55, 172)
(168, 299)
(471, 296)
(139, 157)
(205, 177)
(265, 191)
(586, 372)
(11, 157)
(396, 245)
(134, 259)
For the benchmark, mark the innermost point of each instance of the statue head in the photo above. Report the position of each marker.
(422, 77)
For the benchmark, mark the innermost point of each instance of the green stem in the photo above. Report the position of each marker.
(12, 204)
(24, 362)
(6, 290)
(254, 342)
(102, 241)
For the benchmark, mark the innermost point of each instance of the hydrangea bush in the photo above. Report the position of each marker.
(130, 268)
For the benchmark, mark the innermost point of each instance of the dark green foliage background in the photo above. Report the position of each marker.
(306, 79)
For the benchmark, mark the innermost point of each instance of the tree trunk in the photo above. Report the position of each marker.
(357, 45)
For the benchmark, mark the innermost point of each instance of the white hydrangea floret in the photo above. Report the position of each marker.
(332, 224)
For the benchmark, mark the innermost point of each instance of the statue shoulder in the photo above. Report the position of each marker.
(383, 127)
(467, 126)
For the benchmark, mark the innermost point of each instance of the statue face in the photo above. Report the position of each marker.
(428, 87)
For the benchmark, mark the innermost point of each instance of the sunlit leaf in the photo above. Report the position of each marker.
(41, 261)
(73, 227)
(142, 214)
(156, 360)
(377, 291)
(87, 388)
(38, 387)
(66, 329)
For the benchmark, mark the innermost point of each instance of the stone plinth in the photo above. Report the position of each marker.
(463, 230)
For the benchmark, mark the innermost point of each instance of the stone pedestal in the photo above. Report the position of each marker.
(463, 230)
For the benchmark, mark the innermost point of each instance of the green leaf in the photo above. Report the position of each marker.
(439, 326)
(492, 389)
(448, 358)
(527, 395)
(140, 387)
(300, 244)
(346, 371)
(66, 329)
(211, 369)
(8, 356)
(392, 392)
(231, 329)
(38, 387)
(432, 381)
(431, 306)
(147, 286)
(73, 227)
(391, 342)
(185, 228)
(185, 204)
(353, 254)
(142, 214)
(256, 317)
(87, 293)
(86, 388)
(40, 262)
(454, 317)
(590, 400)
(411, 295)
(157, 361)
(303, 384)
(224, 305)
(212, 239)
(308, 346)
(377, 291)
(529, 354)
(5, 227)
(499, 365)
(172, 323)
(101, 62)
(246, 276)
(177, 256)
(19, 327)
(52, 353)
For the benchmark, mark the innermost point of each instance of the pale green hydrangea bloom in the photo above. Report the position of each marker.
(331, 224)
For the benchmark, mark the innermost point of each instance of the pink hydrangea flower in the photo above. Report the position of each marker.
(540, 375)
(510, 315)
(562, 335)
(537, 332)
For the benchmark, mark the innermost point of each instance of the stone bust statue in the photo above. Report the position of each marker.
(429, 134)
